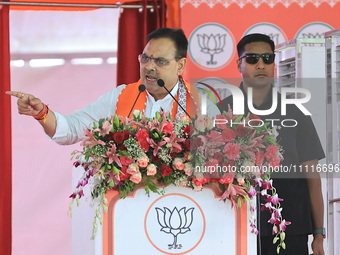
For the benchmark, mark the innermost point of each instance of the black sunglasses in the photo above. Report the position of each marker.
(253, 58)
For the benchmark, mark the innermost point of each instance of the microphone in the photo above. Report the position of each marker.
(141, 88)
(161, 83)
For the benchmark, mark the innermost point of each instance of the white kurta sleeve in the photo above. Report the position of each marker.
(70, 128)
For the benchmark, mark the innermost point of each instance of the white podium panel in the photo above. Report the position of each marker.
(181, 221)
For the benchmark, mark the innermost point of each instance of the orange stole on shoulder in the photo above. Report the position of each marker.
(129, 94)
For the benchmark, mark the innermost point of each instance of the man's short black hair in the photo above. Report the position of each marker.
(254, 38)
(176, 35)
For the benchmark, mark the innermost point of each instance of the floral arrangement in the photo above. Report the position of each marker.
(120, 153)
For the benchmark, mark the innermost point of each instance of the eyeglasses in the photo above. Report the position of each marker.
(253, 58)
(161, 62)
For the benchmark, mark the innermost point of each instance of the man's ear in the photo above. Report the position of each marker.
(238, 62)
(181, 65)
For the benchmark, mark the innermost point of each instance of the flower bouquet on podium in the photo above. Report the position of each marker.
(236, 153)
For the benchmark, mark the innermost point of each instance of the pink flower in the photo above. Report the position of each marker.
(274, 199)
(232, 151)
(259, 158)
(151, 170)
(227, 178)
(240, 181)
(228, 135)
(106, 128)
(252, 191)
(112, 156)
(200, 124)
(168, 127)
(283, 225)
(89, 139)
(143, 161)
(221, 122)
(136, 178)
(178, 164)
(266, 184)
(188, 169)
(271, 152)
(133, 169)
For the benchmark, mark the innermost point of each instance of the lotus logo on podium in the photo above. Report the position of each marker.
(175, 222)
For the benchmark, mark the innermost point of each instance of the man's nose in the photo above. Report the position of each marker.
(150, 65)
(260, 64)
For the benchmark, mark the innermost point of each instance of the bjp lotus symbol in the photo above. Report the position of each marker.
(211, 44)
(175, 222)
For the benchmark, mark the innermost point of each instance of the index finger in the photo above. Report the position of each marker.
(15, 94)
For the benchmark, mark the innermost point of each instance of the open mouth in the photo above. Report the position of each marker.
(151, 78)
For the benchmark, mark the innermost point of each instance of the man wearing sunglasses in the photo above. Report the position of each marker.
(302, 196)
(163, 58)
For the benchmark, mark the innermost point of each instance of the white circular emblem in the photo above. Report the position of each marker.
(313, 30)
(273, 31)
(211, 46)
(175, 224)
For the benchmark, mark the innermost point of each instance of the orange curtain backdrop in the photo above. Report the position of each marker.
(5, 136)
(134, 26)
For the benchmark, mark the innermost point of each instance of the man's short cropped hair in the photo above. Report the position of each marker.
(176, 35)
(254, 38)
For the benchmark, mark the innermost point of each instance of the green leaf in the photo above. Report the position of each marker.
(238, 119)
(239, 202)
(115, 169)
(158, 116)
(111, 184)
(116, 121)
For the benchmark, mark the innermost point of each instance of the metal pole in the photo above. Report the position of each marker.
(131, 6)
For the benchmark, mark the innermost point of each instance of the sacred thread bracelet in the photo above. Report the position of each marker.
(42, 115)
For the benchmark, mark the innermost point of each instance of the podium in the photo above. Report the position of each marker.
(180, 221)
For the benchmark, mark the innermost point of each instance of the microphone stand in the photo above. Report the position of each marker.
(141, 88)
(161, 83)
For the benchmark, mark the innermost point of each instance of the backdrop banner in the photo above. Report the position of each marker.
(213, 29)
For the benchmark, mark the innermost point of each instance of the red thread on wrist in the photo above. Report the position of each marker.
(42, 115)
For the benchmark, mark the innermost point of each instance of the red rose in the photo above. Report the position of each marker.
(200, 181)
(196, 143)
(125, 160)
(166, 170)
(122, 147)
(186, 144)
(126, 134)
(228, 135)
(123, 175)
(186, 131)
(118, 137)
(168, 128)
(155, 159)
(218, 156)
(141, 136)
(227, 178)
(254, 120)
(241, 131)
